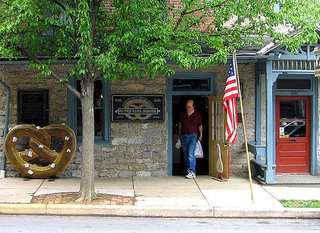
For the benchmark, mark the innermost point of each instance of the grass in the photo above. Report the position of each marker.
(300, 203)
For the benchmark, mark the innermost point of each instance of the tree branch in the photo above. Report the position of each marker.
(53, 74)
(60, 4)
(185, 12)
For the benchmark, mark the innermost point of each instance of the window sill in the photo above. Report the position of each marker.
(99, 140)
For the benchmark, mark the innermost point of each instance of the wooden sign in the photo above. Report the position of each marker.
(137, 108)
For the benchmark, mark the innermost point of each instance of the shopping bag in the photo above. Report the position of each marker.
(178, 144)
(199, 151)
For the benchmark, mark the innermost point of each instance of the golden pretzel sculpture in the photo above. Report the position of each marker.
(39, 143)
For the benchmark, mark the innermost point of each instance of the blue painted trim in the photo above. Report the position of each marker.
(72, 112)
(171, 93)
(271, 93)
(314, 130)
(295, 72)
(106, 91)
(270, 119)
(301, 54)
(169, 127)
(259, 150)
(313, 93)
(258, 107)
(193, 75)
(305, 57)
(6, 123)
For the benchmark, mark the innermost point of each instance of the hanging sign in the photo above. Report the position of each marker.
(137, 108)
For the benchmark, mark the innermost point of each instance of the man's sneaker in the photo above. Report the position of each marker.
(191, 175)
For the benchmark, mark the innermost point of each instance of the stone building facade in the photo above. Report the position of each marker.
(134, 149)
(147, 148)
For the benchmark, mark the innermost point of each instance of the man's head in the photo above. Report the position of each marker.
(189, 106)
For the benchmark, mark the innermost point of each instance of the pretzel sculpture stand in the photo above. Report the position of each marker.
(40, 147)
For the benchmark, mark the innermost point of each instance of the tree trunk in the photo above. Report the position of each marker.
(87, 191)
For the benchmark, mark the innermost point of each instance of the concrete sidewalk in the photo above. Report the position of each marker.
(162, 197)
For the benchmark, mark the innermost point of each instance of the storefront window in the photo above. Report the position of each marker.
(101, 110)
(98, 110)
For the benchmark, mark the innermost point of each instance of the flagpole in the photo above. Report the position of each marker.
(243, 121)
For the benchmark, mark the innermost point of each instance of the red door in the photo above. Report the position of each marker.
(293, 134)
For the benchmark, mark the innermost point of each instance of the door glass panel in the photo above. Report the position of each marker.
(289, 84)
(218, 122)
(292, 118)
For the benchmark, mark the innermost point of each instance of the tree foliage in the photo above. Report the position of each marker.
(138, 38)
(121, 39)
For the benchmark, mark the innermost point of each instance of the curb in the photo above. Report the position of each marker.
(310, 213)
(107, 210)
(154, 211)
(39, 209)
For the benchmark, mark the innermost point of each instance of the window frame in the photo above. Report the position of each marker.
(44, 93)
(294, 77)
(209, 76)
(106, 106)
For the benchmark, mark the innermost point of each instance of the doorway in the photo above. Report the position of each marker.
(293, 134)
(178, 105)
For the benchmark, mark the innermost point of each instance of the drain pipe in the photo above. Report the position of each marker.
(5, 131)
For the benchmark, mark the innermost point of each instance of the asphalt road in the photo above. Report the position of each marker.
(61, 224)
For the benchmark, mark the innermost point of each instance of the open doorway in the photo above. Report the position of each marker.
(201, 105)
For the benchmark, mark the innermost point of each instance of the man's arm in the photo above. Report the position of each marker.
(200, 132)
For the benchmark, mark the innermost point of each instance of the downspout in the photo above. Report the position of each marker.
(6, 126)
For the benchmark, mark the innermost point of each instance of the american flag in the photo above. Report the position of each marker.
(229, 104)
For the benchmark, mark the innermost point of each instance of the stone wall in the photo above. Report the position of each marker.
(135, 149)
(238, 163)
(22, 78)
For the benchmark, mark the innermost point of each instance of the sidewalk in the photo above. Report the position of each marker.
(162, 197)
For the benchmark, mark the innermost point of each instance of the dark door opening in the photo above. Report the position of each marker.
(201, 105)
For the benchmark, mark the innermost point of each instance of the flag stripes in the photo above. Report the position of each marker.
(229, 104)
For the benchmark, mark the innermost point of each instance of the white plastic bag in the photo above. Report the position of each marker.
(199, 152)
(178, 144)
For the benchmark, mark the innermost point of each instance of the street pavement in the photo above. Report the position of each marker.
(172, 196)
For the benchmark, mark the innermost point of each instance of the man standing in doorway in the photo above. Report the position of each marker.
(190, 124)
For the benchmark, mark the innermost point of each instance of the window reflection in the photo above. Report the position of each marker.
(292, 118)
(298, 84)
(98, 109)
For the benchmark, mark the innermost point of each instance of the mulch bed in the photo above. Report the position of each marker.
(71, 197)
